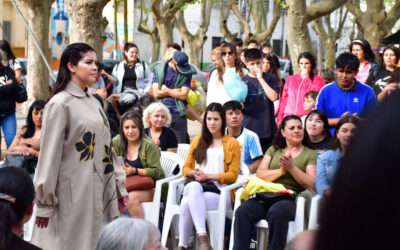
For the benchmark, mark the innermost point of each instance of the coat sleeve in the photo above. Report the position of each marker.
(233, 164)
(51, 151)
(283, 101)
(190, 161)
(321, 180)
(153, 165)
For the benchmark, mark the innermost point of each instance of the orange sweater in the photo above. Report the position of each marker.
(232, 156)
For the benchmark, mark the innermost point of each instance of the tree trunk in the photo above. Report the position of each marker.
(126, 21)
(165, 33)
(155, 49)
(298, 35)
(86, 24)
(116, 39)
(37, 13)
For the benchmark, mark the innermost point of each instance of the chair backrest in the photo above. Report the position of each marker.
(183, 150)
(169, 161)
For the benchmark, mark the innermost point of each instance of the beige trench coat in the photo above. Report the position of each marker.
(76, 184)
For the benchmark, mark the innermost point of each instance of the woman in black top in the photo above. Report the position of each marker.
(387, 78)
(10, 93)
(16, 206)
(316, 131)
(156, 119)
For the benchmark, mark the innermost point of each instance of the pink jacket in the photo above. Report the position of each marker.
(292, 99)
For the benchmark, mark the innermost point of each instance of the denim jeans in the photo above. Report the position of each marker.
(179, 126)
(8, 124)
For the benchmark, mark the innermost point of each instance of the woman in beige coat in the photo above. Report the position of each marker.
(76, 185)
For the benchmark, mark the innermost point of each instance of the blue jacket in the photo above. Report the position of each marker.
(327, 165)
(334, 101)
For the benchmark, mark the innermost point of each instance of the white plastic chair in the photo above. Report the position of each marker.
(215, 218)
(169, 161)
(295, 226)
(183, 150)
(314, 212)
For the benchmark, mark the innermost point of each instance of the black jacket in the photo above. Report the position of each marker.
(10, 91)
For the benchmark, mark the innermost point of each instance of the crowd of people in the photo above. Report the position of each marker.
(93, 149)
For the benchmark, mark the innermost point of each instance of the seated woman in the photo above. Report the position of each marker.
(16, 206)
(287, 162)
(156, 119)
(316, 131)
(27, 141)
(141, 157)
(327, 162)
(213, 161)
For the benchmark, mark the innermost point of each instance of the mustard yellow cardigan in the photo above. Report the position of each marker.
(232, 156)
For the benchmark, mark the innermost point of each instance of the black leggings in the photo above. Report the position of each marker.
(278, 215)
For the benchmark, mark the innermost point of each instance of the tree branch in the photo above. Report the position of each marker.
(223, 24)
(173, 7)
(354, 10)
(242, 21)
(322, 8)
(392, 17)
(341, 24)
(275, 18)
(155, 6)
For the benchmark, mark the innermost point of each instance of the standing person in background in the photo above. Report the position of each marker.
(9, 59)
(270, 64)
(297, 85)
(217, 91)
(10, 93)
(16, 205)
(387, 78)
(345, 94)
(362, 50)
(263, 89)
(77, 184)
(171, 85)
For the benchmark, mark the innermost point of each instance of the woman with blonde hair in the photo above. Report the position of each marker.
(156, 120)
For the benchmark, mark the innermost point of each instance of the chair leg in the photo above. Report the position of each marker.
(262, 238)
(166, 226)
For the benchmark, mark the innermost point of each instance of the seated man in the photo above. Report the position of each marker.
(345, 94)
(251, 148)
(171, 86)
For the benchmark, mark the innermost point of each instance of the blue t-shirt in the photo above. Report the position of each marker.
(334, 101)
(251, 148)
(169, 80)
(258, 109)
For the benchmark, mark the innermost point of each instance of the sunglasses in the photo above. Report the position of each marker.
(229, 53)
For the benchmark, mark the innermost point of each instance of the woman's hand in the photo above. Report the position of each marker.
(286, 162)
(128, 170)
(123, 204)
(389, 88)
(200, 176)
(42, 222)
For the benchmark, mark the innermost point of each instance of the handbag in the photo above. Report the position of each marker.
(138, 182)
(208, 186)
(20, 161)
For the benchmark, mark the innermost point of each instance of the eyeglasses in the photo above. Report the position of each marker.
(229, 53)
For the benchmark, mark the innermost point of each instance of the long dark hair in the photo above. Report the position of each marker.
(310, 57)
(73, 53)
(345, 119)
(366, 47)
(362, 211)
(200, 153)
(324, 119)
(396, 52)
(238, 67)
(16, 196)
(274, 65)
(279, 141)
(137, 119)
(5, 46)
(30, 126)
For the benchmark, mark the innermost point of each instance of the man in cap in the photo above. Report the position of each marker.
(171, 85)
